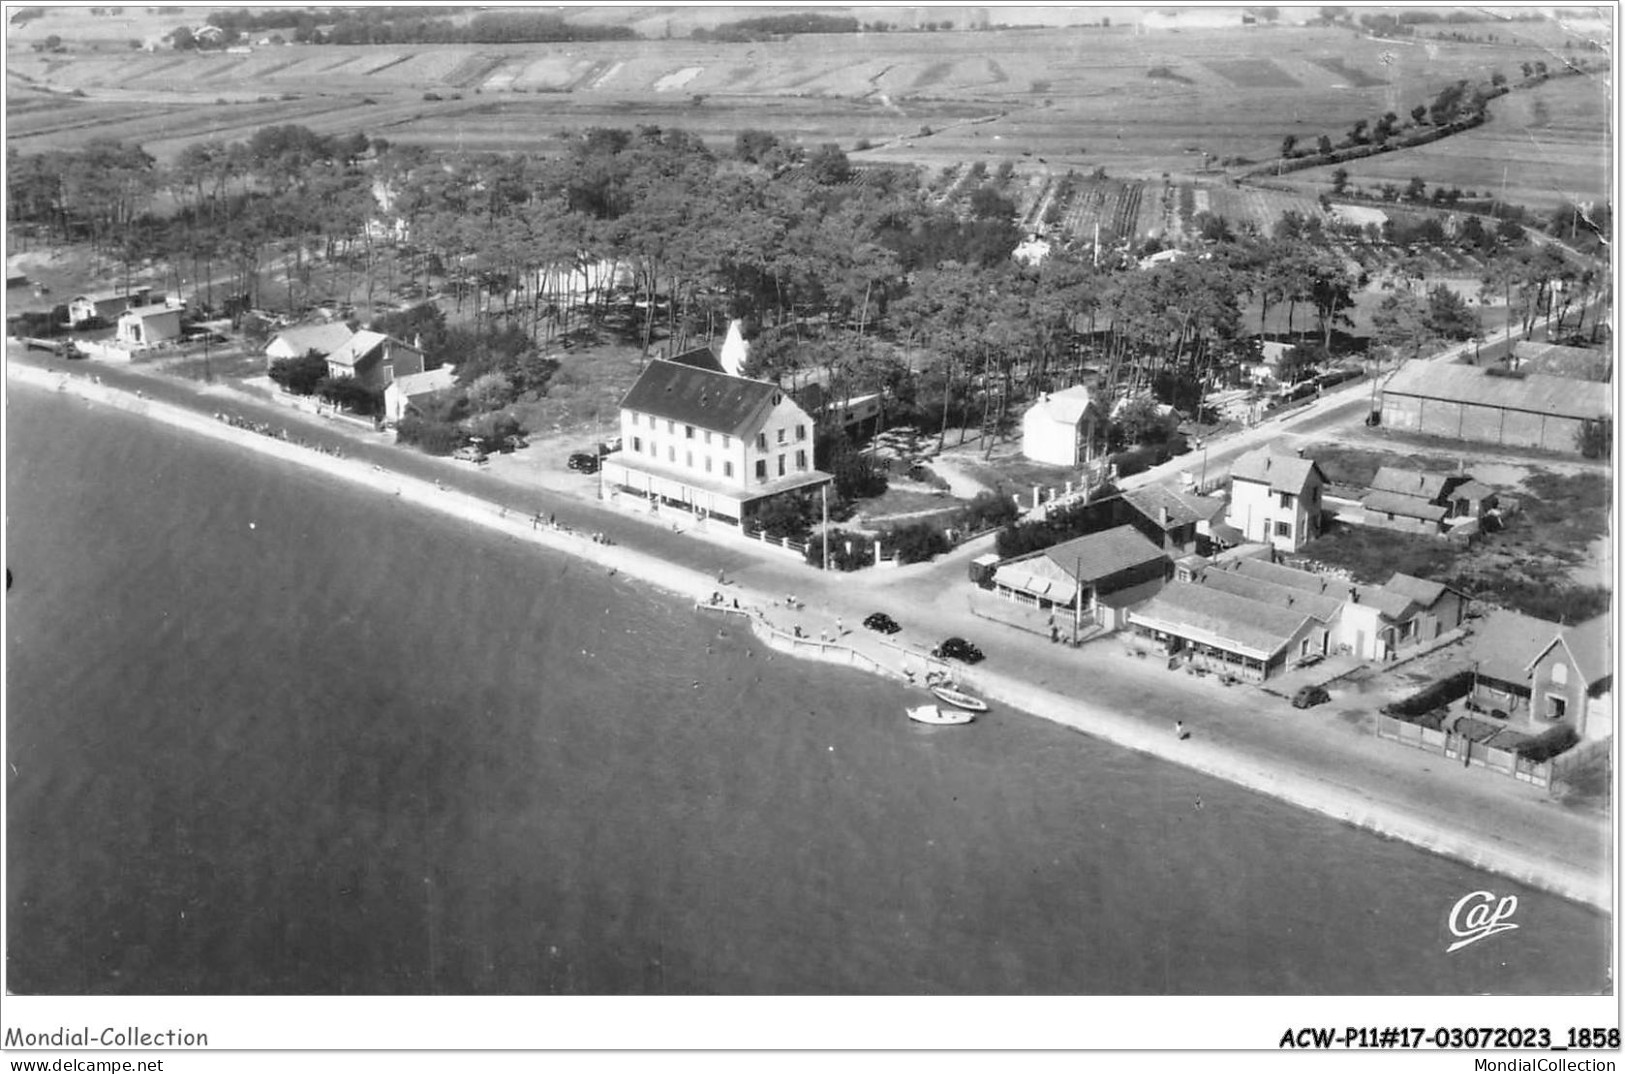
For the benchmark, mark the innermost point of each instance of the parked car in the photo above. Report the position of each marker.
(583, 462)
(1309, 696)
(957, 649)
(882, 622)
(469, 453)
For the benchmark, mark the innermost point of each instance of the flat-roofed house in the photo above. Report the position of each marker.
(1225, 633)
(1460, 402)
(1063, 428)
(148, 326)
(323, 339)
(1107, 571)
(374, 359)
(1275, 499)
(106, 305)
(717, 445)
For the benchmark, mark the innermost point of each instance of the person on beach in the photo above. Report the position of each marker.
(838, 628)
(1179, 729)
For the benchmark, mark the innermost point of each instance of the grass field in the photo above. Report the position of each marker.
(1070, 96)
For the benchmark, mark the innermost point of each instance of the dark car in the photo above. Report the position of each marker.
(1309, 696)
(882, 622)
(957, 649)
(584, 462)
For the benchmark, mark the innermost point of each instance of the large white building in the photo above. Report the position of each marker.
(1275, 499)
(697, 438)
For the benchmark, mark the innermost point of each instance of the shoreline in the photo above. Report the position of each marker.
(1236, 767)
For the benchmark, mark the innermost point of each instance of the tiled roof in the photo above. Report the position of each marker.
(1393, 605)
(1282, 473)
(1590, 644)
(1471, 490)
(1227, 579)
(1535, 393)
(1575, 363)
(416, 385)
(1105, 553)
(1505, 644)
(356, 347)
(1149, 500)
(1039, 576)
(324, 339)
(698, 397)
(1410, 482)
(1395, 503)
(1067, 406)
(700, 358)
(1420, 590)
(152, 309)
(1217, 618)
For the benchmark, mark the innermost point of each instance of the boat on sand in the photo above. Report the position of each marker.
(958, 698)
(938, 715)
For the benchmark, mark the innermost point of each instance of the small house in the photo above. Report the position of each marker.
(323, 339)
(403, 392)
(148, 326)
(1178, 522)
(1106, 571)
(374, 359)
(1063, 428)
(106, 305)
(1275, 499)
(1534, 673)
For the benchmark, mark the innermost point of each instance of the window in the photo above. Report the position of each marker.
(1283, 529)
(708, 464)
(671, 426)
(688, 459)
(688, 432)
(801, 432)
(761, 469)
(727, 468)
(1556, 707)
(761, 441)
(708, 436)
(651, 421)
(637, 445)
(781, 461)
(1560, 674)
(1286, 499)
(801, 460)
(671, 454)
(727, 441)
(781, 436)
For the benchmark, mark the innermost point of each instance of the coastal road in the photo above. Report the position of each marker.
(1330, 746)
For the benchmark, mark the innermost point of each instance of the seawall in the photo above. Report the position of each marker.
(1340, 803)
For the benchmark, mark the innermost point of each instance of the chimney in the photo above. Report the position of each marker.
(1163, 511)
(1354, 595)
(1300, 453)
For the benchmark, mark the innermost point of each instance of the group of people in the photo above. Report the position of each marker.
(264, 428)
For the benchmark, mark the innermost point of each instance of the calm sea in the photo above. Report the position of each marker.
(271, 735)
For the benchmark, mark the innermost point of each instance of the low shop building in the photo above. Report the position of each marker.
(1224, 633)
(1107, 571)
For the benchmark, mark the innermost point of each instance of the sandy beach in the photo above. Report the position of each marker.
(1521, 861)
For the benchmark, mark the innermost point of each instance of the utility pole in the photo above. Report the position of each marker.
(824, 495)
(1077, 603)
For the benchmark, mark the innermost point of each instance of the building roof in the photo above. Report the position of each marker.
(1421, 483)
(1217, 618)
(1100, 555)
(1424, 592)
(1575, 363)
(417, 385)
(1393, 605)
(699, 397)
(1229, 580)
(1395, 503)
(1535, 393)
(99, 297)
(1151, 500)
(1067, 406)
(1590, 647)
(356, 347)
(1037, 575)
(1282, 473)
(150, 310)
(324, 339)
(1471, 490)
(700, 358)
(1505, 645)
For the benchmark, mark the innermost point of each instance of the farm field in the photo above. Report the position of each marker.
(1549, 144)
(1051, 99)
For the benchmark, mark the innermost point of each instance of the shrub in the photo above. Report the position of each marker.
(345, 392)
(432, 437)
(987, 511)
(848, 551)
(785, 516)
(300, 376)
(1548, 744)
(916, 542)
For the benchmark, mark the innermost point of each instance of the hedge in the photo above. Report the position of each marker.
(1431, 697)
(1548, 744)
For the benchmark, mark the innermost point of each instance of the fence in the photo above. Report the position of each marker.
(1469, 753)
(761, 536)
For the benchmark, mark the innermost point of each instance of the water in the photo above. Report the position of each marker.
(275, 735)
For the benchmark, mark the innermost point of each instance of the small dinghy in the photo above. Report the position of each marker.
(959, 699)
(937, 715)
